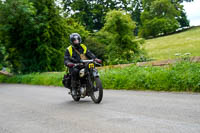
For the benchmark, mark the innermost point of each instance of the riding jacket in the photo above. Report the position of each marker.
(71, 55)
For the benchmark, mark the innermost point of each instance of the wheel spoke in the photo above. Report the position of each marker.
(96, 93)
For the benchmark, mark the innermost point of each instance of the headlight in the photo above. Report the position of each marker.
(82, 73)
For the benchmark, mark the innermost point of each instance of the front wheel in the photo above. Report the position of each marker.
(76, 98)
(97, 91)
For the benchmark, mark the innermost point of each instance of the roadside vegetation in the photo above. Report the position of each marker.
(182, 76)
(53, 79)
(34, 37)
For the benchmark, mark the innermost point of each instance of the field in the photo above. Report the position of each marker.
(167, 47)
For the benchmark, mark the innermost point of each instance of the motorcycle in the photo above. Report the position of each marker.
(89, 83)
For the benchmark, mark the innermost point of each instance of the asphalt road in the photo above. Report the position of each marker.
(39, 109)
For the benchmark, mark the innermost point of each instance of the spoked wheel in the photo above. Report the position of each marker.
(97, 93)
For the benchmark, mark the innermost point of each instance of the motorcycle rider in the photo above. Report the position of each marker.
(74, 54)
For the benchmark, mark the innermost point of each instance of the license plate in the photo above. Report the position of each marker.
(91, 65)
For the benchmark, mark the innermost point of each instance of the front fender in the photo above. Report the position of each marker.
(95, 73)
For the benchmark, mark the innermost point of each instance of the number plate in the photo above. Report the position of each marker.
(91, 65)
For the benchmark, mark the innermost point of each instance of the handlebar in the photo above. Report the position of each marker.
(88, 61)
(82, 62)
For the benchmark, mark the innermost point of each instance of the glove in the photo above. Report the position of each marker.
(98, 60)
(70, 64)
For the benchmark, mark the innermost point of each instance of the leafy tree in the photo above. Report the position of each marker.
(182, 18)
(13, 15)
(91, 13)
(138, 7)
(158, 18)
(121, 43)
(136, 10)
(2, 51)
(35, 35)
(2, 55)
(55, 35)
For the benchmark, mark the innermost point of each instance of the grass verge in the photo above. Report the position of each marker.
(182, 76)
(48, 79)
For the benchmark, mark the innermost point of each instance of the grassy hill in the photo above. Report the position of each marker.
(167, 46)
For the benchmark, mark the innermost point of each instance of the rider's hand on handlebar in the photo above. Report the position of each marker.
(98, 60)
(70, 64)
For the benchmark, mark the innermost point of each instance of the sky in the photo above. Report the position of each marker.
(193, 12)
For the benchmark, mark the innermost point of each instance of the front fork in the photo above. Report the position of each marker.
(91, 78)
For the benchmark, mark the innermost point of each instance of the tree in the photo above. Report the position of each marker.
(118, 30)
(91, 13)
(2, 55)
(2, 51)
(13, 15)
(182, 18)
(35, 35)
(135, 11)
(159, 17)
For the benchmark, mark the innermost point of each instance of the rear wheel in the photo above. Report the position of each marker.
(97, 91)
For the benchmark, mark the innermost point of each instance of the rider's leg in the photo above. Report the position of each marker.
(74, 79)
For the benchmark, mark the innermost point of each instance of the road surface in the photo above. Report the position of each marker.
(39, 109)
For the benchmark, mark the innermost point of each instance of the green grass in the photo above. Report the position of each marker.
(177, 77)
(183, 76)
(167, 46)
(53, 79)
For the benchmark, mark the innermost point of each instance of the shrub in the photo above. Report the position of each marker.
(183, 76)
(117, 34)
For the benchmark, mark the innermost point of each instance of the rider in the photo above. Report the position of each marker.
(73, 55)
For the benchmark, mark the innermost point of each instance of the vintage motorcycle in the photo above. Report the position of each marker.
(89, 83)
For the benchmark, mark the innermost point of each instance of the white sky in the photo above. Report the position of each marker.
(193, 12)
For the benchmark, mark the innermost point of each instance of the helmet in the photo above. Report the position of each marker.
(75, 36)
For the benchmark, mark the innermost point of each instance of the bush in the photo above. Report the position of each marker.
(183, 76)
(96, 47)
(117, 34)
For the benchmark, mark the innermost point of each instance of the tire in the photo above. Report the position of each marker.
(97, 84)
(76, 98)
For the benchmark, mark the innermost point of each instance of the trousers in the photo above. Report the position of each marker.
(74, 72)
